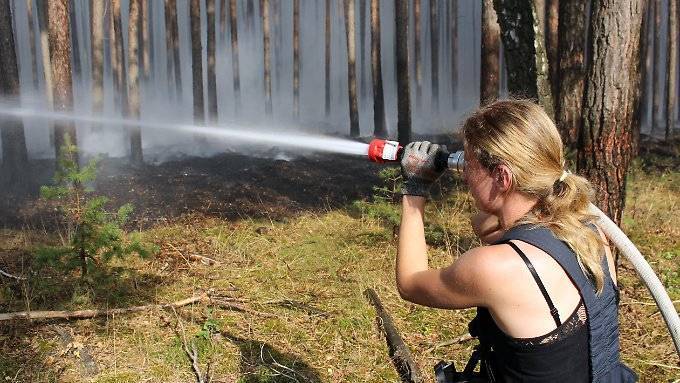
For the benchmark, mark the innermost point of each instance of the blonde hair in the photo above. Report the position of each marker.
(520, 135)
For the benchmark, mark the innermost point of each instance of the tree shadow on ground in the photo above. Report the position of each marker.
(262, 363)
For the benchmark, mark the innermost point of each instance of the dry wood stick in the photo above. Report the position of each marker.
(8, 275)
(398, 351)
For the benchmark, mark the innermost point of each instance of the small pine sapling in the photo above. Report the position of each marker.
(92, 234)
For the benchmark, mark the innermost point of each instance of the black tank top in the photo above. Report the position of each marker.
(559, 356)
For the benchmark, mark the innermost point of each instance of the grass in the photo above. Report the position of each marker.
(310, 273)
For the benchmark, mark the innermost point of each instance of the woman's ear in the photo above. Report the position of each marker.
(503, 176)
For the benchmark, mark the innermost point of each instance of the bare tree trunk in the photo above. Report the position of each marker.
(525, 52)
(454, 52)
(362, 46)
(610, 100)
(14, 153)
(233, 16)
(118, 59)
(403, 92)
(551, 42)
(327, 62)
(417, 5)
(60, 58)
(75, 43)
(656, 99)
(223, 17)
(152, 40)
(572, 67)
(264, 8)
(645, 68)
(144, 19)
(197, 60)
(133, 81)
(45, 51)
(434, 39)
(490, 69)
(172, 41)
(97, 26)
(31, 43)
(379, 125)
(671, 62)
(296, 59)
(212, 78)
(351, 69)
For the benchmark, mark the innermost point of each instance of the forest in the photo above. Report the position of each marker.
(185, 194)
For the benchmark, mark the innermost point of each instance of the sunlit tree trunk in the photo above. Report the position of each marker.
(656, 99)
(264, 8)
(523, 41)
(212, 78)
(611, 95)
(133, 81)
(380, 127)
(144, 23)
(434, 39)
(296, 58)
(351, 68)
(571, 78)
(418, 56)
(233, 24)
(14, 154)
(551, 42)
(327, 55)
(454, 52)
(172, 42)
(118, 58)
(41, 8)
(671, 62)
(490, 69)
(60, 58)
(75, 43)
(97, 26)
(31, 43)
(196, 60)
(403, 92)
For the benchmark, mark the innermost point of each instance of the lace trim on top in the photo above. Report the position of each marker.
(576, 321)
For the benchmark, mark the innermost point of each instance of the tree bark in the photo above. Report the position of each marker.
(572, 30)
(525, 52)
(454, 52)
(197, 60)
(223, 17)
(434, 39)
(327, 61)
(611, 95)
(75, 43)
(97, 26)
(656, 99)
(351, 69)
(233, 19)
(133, 81)
(264, 8)
(362, 47)
(671, 62)
(417, 6)
(144, 20)
(45, 49)
(296, 59)
(172, 41)
(60, 58)
(490, 69)
(212, 78)
(118, 58)
(552, 43)
(14, 153)
(403, 92)
(31, 43)
(379, 125)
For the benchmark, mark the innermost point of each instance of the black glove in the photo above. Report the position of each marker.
(418, 168)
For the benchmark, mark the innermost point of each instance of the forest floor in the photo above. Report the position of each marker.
(298, 242)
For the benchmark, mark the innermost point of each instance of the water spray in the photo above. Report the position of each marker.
(384, 151)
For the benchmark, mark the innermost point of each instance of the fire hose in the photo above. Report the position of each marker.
(381, 151)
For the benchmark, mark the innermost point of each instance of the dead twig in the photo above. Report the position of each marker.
(191, 354)
(204, 260)
(238, 307)
(8, 275)
(460, 339)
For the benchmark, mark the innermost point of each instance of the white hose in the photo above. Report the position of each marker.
(648, 276)
(456, 162)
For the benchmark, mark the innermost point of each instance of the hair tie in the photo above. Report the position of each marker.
(564, 175)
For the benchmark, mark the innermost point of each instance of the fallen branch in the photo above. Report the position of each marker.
(8, 275)
(398, 351)
(193, 354)
(238, 307)
(204, 260)
(460, 339)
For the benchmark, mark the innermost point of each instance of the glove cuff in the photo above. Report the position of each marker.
(416, 188)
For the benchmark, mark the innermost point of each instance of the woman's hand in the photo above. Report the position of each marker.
(487, 227)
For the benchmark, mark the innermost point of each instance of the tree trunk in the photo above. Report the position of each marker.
(645, 68)
(152, 40)
(14, 153)
(133, 81)
(572, 66)
(351, 69)
(233, 19)
(31, 43)
(41, 8)
(525, 52)
(418, 55)
(144, 20)
(60, 58)
(223, 17)
(75, 43)
(264, 8)
(97, 27)
(327, 61)
(172, 42)
(490, 69)
(434, 39)
(656, 99)
(118, 58)
(362, 46)
(379, 125)
(296, 59)
(403, 92)
(454, 52)
(196, 60)
(212, 78)
(551, 43)
(611, 93)
(671, 62)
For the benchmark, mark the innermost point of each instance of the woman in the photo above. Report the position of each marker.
(545, 283)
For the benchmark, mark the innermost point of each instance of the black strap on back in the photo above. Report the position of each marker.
(553, 311)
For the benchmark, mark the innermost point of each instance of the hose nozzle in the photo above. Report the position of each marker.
(382, 151)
